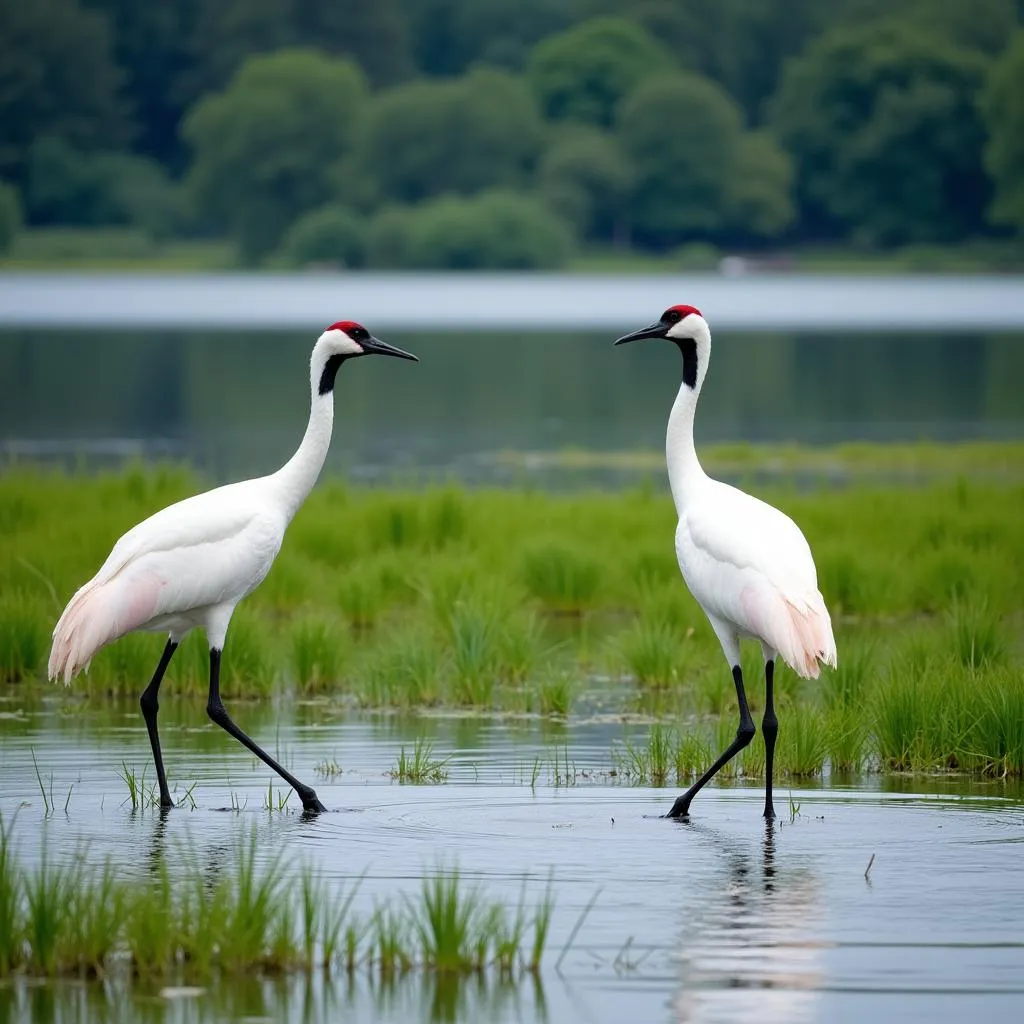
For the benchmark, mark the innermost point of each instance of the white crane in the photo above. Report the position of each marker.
(189, 564)
(747, 564)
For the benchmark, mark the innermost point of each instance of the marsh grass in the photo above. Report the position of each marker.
(562, 576)
(803, 743)
(977, 636)
(320, 648)
(24, 641)
(86, 920)
(555, 693)
(405, 670)
(652, 652)
(441, 592)
(667, 755)
(420, 766)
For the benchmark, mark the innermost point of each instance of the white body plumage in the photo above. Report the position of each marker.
(747, 564)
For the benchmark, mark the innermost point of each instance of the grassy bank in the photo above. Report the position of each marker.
(84, 919)
(132, 249)
(516, 602)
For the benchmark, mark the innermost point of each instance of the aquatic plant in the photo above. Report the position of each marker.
(253, 915)
(421, 765)
(555, 692)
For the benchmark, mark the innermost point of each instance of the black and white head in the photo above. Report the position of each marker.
(343, 340)
(689, 330)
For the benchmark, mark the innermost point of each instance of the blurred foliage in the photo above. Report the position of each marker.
(330, 234)
(494, 230)
(427, 138)
(57, 77)
(582, 74)
(585, 177)
(650, 124)
(1003, 106)
(884, 127)
(10, 215)
(266, 147)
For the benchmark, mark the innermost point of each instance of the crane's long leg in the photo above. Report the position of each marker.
(744, 734)
(150, 706)
(770, 728)
(216, 710)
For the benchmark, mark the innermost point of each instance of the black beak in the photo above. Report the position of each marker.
(372, 346)
(657, 330)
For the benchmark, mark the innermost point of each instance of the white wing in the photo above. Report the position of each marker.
(208, 550)
(748, 564)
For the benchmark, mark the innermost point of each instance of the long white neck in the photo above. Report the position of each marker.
(685, 473)
(295, 479)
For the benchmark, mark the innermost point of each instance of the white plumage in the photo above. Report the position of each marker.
(189, 564)
(746, 563)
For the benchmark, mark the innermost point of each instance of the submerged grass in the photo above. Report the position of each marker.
(86, 920)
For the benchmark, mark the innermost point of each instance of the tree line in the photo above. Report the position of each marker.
(453, 133)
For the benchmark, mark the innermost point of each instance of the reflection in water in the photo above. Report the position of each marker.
(236, 403)
(748, 955)
(309, 999)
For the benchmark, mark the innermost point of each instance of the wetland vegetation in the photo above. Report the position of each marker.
(515, 602)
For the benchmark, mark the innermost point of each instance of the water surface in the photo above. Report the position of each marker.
(236, 403)
(718, 919)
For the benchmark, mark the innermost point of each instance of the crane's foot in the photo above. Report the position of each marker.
(310, 803)
(680, 809)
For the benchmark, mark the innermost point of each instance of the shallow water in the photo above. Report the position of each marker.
(715, 919)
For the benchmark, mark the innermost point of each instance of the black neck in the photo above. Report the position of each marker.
(330, 371)
(688, 347)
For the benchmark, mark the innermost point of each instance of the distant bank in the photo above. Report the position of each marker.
(524, 301)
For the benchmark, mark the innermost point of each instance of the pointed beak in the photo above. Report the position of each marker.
(657, 330)
(375, 347)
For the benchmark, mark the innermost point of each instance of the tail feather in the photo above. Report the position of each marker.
(810, 637)
(88, 624)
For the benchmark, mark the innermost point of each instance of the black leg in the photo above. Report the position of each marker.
(216, 710)
(744, 734)
(150, 706)
(770, 728)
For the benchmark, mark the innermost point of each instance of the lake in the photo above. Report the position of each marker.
(235, 403)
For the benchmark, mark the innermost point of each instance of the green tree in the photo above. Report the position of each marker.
(328, 234)
(152, 45)
(10, 215)
(583, 73)
(761, 193)
(1003, 107)
(463, 135)
(450, 35)
(228, 32)
(266, 149)
(57, 77)
(67, 186)
(495, 230)
(585, 177)
(683, 137)
(982, 25)
(883, 124)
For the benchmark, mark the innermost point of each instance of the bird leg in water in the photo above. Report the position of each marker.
(150, 706)
(770, 728)
(744, 734)
(216, 710)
